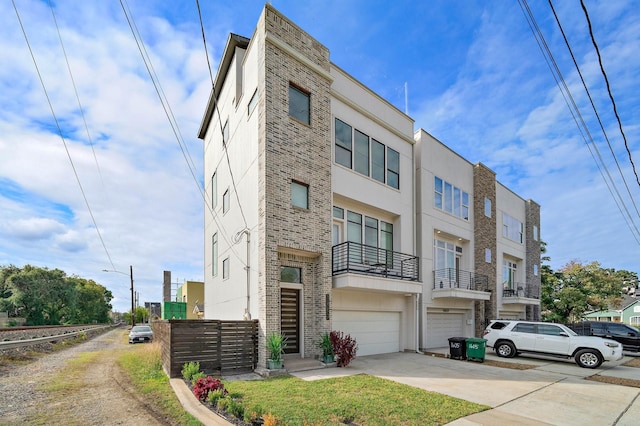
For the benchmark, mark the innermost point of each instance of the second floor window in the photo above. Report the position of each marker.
(299, 104)
(512, 228)
(299, 195)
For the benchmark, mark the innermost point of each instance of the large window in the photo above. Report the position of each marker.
(214, 254)
(289, 274)
(509, 273)
(343, 143)
(299, 104)
(373, 233)
(512, 228)
(299, 195)
(450, 199)
(365, 155)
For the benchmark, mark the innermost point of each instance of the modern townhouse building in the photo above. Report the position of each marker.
(322, 209)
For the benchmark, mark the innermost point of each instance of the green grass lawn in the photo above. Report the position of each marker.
(361, 399)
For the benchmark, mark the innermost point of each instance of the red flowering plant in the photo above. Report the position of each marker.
(204, 385)
(344, 347)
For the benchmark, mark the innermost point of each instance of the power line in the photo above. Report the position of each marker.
(595, 110)
(606, 79)
(577, 116)
(64, 142)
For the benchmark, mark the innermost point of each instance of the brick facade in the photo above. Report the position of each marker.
(532, 212)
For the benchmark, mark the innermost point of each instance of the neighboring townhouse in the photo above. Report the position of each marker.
(627, 311)
(479, 246)
(320, 212)
(192, 293)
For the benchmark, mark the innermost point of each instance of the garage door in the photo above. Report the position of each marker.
(375, 332)
(441, 326)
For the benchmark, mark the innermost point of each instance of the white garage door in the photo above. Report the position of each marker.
(441, 326)
(375, 332)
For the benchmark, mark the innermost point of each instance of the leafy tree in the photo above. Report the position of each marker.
(142, 314)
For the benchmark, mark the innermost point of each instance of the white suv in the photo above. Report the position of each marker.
(511, 337)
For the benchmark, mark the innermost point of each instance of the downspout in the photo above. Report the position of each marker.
(415, 245)
(236, 239)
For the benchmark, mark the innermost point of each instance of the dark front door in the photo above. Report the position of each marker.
(290, 318)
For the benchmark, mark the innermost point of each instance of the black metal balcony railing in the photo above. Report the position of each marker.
(521, 290)
(350, 257)
(454, 278)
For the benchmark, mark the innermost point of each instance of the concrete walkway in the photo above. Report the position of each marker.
(552, 392)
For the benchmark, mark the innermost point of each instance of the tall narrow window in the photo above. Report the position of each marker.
(354, 234)
(393, 168)
(377, 161)
(225, 268)
(371, 239)
(438, 193)
(226, 201)
(214, 254)
(509, 270)
(343, 143)
(361, 155)
(252, 102)
(214, 190)
(299, 105)
(225, 133)
(535, 233)
(487, 207)
(299, 195)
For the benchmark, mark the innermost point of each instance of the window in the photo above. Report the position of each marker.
(214, 254)
(487, 207)
(451, 199)
(365, 155)
(487, 255)
(511, 228)
(225, 268)
(299, 195)
(525, 328)
(290, 274)
(393, 168)
(225, 133)
(361, 154)
(535, 233)
(343, 143)
(226, 200)
(299, 105)
(338, 212)
(550, 330)
(509, 270)
(535, 270)
(252, 103)
(214, 190)
(444, 255)
(377, 161)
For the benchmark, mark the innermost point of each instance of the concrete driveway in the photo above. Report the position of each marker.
(553, 392)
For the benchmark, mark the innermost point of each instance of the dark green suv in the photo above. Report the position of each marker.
(628, 336)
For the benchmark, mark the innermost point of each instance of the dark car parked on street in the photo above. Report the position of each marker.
(628, 336)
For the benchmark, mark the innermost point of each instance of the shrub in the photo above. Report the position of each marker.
(195, 377)
(215, 396)
(344, 347)
(189, 369)
(252, 415)
(203, 386)
(269, 420)
(235, 408)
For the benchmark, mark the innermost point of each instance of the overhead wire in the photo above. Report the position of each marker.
(577, 116)
(606, 79)
(170, 117)
(64, 142)
(215, 105)
(593, 106)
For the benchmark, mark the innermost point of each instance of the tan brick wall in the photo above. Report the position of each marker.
(485, 228)
(290, 150)
(532, 213)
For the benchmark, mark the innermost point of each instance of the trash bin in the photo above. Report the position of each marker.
(457, 348)
(476, 349)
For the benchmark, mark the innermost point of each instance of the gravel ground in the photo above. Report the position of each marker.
(105, 396)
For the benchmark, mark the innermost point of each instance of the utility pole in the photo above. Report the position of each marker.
(133, 308)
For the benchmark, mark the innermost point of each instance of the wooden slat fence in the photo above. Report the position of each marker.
(221, 347)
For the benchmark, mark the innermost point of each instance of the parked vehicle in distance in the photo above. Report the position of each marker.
(140, 333)
(512, 337)
(628, 336)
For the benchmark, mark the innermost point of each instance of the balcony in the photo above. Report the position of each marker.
(360, 267)
(520, 293)
(456, 284)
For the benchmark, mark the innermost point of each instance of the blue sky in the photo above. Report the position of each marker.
(475, 76)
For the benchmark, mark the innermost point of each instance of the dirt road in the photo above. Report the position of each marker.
(101, 395)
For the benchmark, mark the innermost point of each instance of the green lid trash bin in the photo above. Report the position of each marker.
(476, 349)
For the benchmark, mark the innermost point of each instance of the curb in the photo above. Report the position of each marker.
(194, 407)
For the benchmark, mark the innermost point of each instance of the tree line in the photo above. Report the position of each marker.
(50, 297)
(576, 289)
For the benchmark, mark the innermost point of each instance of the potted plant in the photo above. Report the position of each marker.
(276, 343)
(327, 349)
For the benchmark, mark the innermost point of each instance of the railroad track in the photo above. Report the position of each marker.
(17, 337)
